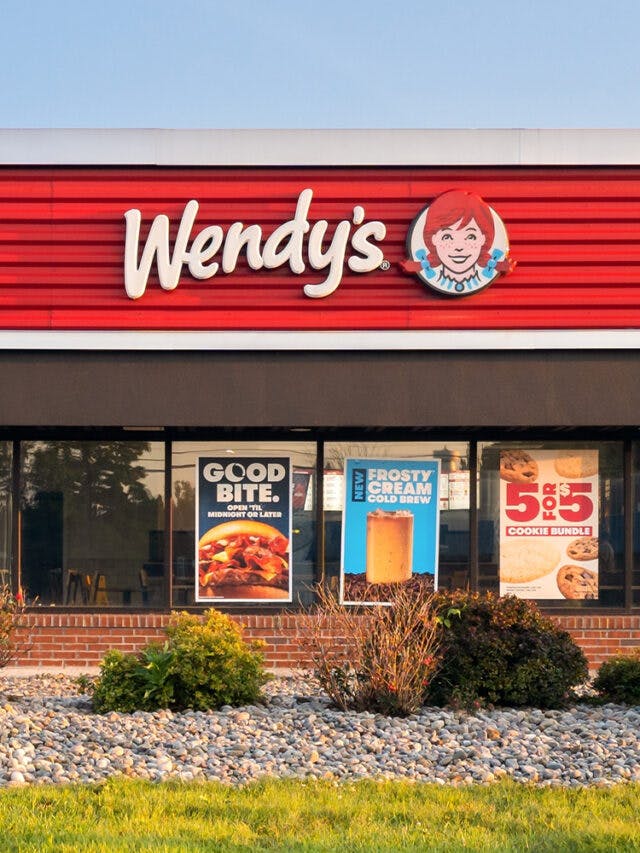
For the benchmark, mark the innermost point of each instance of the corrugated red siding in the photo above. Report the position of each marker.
(575, 234)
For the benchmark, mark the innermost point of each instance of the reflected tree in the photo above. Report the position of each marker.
(85, 505)
(184, 505)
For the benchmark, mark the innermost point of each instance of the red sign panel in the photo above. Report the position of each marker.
(339, 260)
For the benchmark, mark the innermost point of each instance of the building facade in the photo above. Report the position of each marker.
(381, 300)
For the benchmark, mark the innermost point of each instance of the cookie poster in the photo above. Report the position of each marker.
(390, 528)
(549, 524)
(243, 528)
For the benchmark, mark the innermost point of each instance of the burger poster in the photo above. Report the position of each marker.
(243, 529)
(390, 528)
(549, 524)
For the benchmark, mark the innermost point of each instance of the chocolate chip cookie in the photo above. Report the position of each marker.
(517, 466)
(576, 582)
(584, 548)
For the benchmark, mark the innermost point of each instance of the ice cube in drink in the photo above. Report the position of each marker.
(389, 546)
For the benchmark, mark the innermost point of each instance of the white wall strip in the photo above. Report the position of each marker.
(540, 339)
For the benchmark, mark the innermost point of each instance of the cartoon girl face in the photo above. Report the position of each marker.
(458, 233)
(458, 247)
(458, 244)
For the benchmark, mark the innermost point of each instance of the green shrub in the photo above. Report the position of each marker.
(202, 665)
(502, 651)
(212, 665)
(120, 686)
(618, 679)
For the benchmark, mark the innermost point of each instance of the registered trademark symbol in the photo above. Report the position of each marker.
(385, 265)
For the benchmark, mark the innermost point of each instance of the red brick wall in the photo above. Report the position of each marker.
(603, 636)
(81, 639)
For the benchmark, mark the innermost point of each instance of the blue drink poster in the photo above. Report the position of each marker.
(243, 528)
(390, 528)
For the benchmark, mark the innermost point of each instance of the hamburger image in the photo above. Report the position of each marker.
(243, 559)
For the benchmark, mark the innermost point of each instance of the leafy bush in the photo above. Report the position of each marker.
(380, 659)
(212, 665)
(156, 664)
(502, 651)
(618, 679)
(120, 686)
(202, 665)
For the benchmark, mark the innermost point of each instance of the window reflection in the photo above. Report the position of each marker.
(91, 515)
(635, 580)
(6, 457)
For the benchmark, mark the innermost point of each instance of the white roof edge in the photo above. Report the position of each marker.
(508, 147)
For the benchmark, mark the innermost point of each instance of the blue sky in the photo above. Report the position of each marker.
(306, 63)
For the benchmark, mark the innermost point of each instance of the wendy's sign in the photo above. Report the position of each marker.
(288, 257)
(458, 245)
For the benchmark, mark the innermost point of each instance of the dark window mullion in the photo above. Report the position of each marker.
(167, 588)
(319, 574)
(16, 533)
(474, 570)
(630, 521)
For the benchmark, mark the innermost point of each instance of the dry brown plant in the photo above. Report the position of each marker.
(12, 612)
(377, 658)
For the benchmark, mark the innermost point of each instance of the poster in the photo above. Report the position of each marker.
(243, 528)
(390, 527)
(302, 493)
(549, 524)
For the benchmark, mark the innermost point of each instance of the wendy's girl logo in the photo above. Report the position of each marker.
(458, 245)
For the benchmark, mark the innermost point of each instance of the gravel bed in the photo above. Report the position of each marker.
(49, 735)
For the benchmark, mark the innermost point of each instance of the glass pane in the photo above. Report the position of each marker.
(636, 525)
(91, 515)
(303, 527)
(5, 512)
(453, 549)
(550, 521)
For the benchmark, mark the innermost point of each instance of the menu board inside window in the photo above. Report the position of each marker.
(549, 524)
(333, 491)
(458, 486)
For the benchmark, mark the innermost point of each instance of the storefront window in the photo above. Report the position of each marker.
(452, 537)
(5, 512)
(636, 526)
(91, 516)
(551, 521)
(266, 483)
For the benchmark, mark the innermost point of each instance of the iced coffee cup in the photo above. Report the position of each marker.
(389, 546)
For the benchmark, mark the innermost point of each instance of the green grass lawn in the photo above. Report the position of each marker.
(125, 815)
